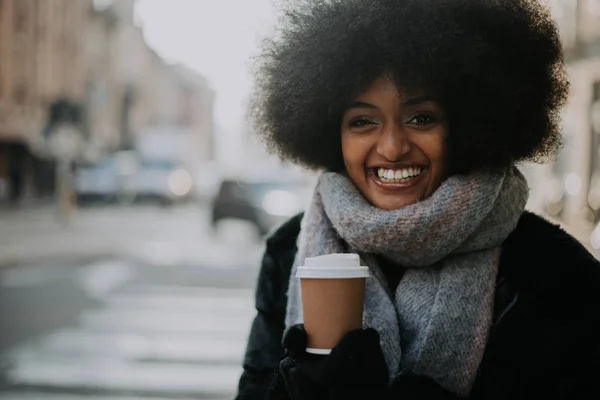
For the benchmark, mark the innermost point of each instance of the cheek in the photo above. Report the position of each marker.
(434, 147)
(354, 151)
(437, 153)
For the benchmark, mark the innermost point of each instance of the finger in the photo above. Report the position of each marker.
(295, 340)
(286, 365)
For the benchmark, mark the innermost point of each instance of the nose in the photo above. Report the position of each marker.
(393, 143)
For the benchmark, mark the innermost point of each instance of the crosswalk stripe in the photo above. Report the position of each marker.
(131, 346)
(154, 290)
(154, 340)
(182, 303)
(139, 378)
(207, 325)
(18, 395)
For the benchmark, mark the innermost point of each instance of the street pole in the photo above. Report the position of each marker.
(64, 192)
(63, 139)
(65, 145)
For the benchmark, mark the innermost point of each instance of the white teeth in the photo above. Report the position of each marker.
(398, 174)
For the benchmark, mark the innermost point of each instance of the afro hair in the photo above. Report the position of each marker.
(496, 66)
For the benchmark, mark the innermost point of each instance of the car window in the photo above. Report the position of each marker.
(158, 165)
(255, 191)
(233, 189)
(258, 190)
(106, 164)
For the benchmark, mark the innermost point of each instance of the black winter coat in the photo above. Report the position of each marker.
(545, 339)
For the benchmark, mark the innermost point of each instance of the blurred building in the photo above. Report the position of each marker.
(40, 59)
(104, 94)
(93, 53)
(569, 189)
(159, 98)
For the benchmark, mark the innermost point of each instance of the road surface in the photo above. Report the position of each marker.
(114, 328)
(124, 303)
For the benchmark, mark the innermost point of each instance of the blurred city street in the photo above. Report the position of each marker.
(125, 302)
(164, 235)
(123, 137)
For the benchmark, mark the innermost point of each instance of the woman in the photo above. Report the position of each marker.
(418, 111)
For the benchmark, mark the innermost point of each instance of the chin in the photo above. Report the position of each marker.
(395, 198)
(393, 204)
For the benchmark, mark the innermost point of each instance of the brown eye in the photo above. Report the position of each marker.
(422, 120)
(360, 123)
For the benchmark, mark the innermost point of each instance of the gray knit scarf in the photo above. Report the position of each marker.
(437, 322)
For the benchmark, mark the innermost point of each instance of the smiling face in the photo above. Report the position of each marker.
(394, 145)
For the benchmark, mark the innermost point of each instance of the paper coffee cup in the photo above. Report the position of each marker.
(333, 292)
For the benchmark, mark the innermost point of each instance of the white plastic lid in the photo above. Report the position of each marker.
(333, 260)
(332, 273)
(333, 266)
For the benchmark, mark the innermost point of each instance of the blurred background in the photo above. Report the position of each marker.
(134, 199)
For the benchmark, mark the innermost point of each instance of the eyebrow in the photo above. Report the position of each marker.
(410, 102)
(419, 100)
(360, 104)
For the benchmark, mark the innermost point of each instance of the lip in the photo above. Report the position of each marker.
(395, 166)
(395, 186)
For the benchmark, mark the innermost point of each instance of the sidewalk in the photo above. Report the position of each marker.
(167, 236)
(177, 236)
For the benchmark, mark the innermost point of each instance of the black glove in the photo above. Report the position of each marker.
(355, 369)
(408, 386)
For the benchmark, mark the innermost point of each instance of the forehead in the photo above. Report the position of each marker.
(380, 85)
(387, 87)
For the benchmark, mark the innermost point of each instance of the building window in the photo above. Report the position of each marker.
(20, 93)
(101, 5)
(20, 18)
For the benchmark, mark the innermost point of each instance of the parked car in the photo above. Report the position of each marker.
(101, 182)
(164, 181)
(124, 178)
(263, 203)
